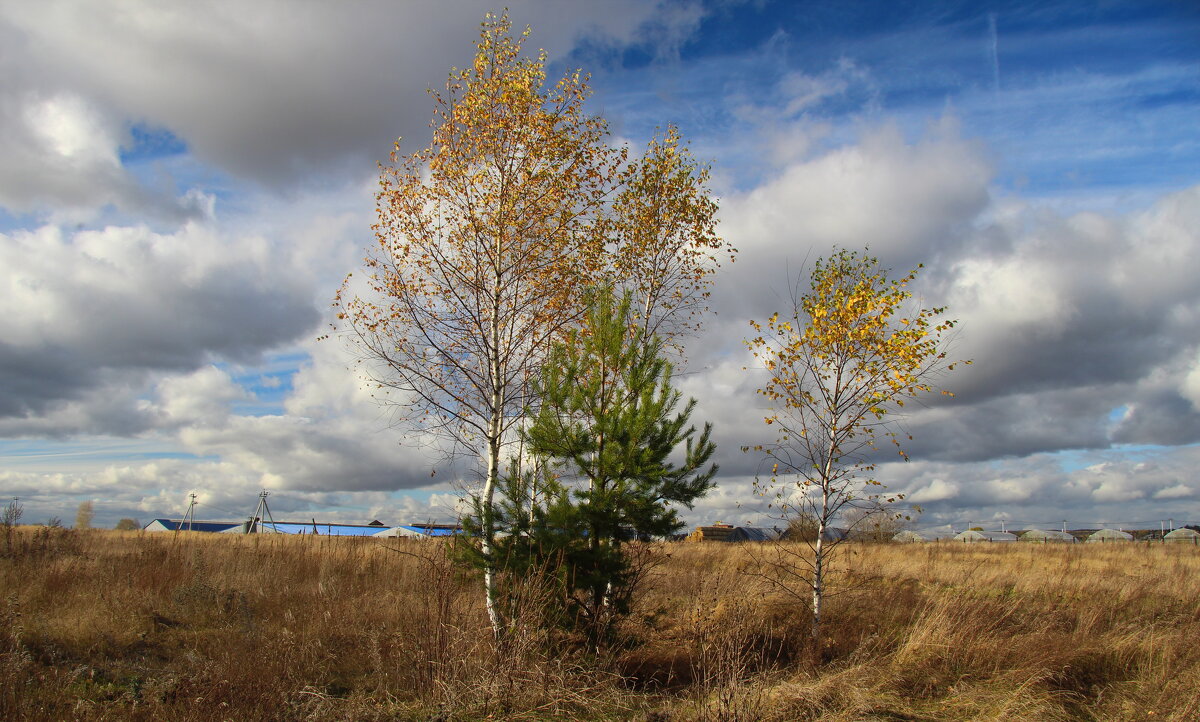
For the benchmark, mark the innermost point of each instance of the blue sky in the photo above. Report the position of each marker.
(185, 187)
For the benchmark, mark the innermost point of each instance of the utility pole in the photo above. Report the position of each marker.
(261, 512)
(189, 516)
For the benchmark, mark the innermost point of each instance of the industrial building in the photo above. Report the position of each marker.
(257, 526)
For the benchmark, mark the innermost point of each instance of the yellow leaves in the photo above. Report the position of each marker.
(846, 358)
(486, 238)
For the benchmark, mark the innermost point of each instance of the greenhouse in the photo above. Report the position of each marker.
(909, 536)
(1183, 535)
(1109, 535)
(1043, 536)
(972, 536)
(753, 533)
(729, 533)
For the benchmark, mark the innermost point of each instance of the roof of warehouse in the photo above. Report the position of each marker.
(209, 526)
(432, 529)
(307, 527)
(280, 527)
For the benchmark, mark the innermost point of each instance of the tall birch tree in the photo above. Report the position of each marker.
(663, 239)
(486, 240)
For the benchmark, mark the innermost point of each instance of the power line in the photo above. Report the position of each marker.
(220, 509)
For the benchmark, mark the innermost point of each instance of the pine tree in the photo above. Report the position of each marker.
(605, 433)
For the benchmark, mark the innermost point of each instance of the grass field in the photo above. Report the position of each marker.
(126, 625)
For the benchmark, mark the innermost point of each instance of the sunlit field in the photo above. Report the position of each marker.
(127, 625)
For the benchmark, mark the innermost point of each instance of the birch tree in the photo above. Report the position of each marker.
(665, 247)
(84, 514)
(842, 362)
(485, 242)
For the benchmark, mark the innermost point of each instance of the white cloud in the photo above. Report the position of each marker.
(906, 201)
(1191, 383)
(935, 490)
(1008, 293)
(1113, 484)
(273, 92)
(223, 491)
(886, 193)
(1066, 316)
(1179, 491)
(89, 313)
(202, 398)
(71, 130)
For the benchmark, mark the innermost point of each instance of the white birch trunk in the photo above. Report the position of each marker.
(494, 444)
(489, 532)
(818, 585)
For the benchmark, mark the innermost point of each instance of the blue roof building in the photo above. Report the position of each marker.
(423, 530)
(213, 527)
(268, 527)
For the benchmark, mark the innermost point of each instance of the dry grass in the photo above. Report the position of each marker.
(124, 625)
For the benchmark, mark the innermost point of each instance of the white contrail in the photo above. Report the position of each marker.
(995, 52)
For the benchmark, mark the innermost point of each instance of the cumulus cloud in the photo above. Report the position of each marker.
(1082, 326)
(907, 201)
(296, 453)
(62, 153)
(89, 312)
(1058, 312)
(1036, 489)
(1190, 387)
(1085, 299)
(937, 489)
(1025, 304)
(200, 399)
(267, 92)
(69, 129)
(1068, 319)
(329, 434)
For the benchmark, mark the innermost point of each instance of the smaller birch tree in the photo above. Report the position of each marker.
(84, 514)
(849, 354)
